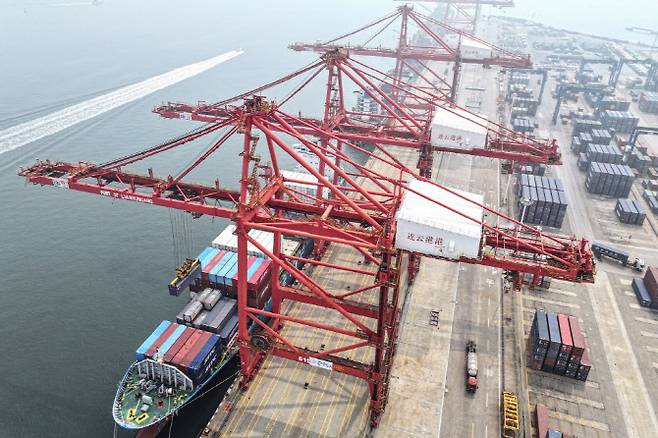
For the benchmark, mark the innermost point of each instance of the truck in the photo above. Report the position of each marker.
(471, 366)
(601, 250)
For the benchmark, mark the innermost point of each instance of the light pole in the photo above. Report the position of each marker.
(526, 202)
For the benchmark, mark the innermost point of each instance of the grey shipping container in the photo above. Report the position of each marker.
(219, 315)
(641, 292)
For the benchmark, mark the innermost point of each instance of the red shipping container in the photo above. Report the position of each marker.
(169, 356)
(651, 282)
(262, 274)
(185, 349)
(565, 334)
(541, 414)
(585, 366)
(577, 337)
(198, 345)
(212, 264)
(161, 340)
(250, 286)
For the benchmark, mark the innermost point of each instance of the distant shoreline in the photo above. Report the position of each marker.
(573, 32)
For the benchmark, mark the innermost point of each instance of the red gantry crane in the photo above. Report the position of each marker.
(431, 43)
(464, 14)
(356, 210)
(396, 124)
(406, 125)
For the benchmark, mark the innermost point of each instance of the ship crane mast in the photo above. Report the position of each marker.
(355, 209)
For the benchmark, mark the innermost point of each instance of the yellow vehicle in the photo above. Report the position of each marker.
(510, 415)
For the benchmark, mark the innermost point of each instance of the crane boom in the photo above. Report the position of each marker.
(396, 126)
(405, 52)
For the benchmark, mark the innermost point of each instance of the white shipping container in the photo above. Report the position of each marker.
(428, 228)
(458, 129)
(227, 240)
(469, 48)
(309, 186)
(312, 159)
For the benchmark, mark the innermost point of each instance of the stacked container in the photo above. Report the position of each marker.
(585, 125)
(192, 351)
(613, 104)
(601, 136)
(651, 284)
(583, 162)
(639, 160)
(652, 200)
(539, 340)
(528, 103)
(604, 154)
(228, 240)
(566, 347)
(548, 201)
(576, 145)
(622, 122)
(609, 179)
(648, 102)
(557, 345)
(523, 125)
(219, 270)
(630, 212)
(578, 366)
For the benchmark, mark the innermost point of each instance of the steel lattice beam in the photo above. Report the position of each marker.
(406, 51)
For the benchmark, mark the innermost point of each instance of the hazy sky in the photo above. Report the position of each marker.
(602, 17)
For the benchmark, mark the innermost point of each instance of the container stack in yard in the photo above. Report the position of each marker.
(585, 125)
(638, 160)
(607, 103)
(651, 198)
(622, 122)
(646, 289)
(600, 153)
(533, 169)
(648, 102)
(523, 125)
(609, 179)
(547, 200)
(529, 104)
(557, 345)
(630, 212)
(541, 422)
(584, 140)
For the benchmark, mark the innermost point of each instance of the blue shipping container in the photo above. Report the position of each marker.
(140, 354)
(207, 255)
(254, 267)
(213, 276)
(205, 358)
(229, 328)
(231, 261)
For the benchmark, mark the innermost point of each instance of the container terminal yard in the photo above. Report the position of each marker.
(463, 246)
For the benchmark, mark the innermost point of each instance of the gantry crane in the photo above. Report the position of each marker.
(465, 14)
(355, 209)
(415, 57)
(398, 124)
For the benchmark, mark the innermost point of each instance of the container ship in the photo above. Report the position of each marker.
(180, 360)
